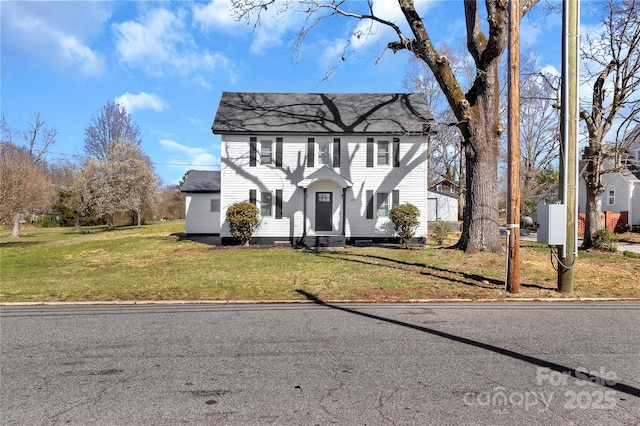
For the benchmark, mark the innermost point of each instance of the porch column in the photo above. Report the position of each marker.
(304, 213)
(344, 211)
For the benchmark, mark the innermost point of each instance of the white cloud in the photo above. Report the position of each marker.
(141, 101)
(368, 32)
(56, 33)
(216, 14)
(186, 157)
(275, 22)
(160, 43)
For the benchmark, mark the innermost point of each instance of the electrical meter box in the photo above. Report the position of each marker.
(552, 224)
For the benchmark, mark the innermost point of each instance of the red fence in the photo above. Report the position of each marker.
(617, 222)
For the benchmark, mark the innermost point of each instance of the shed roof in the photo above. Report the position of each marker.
(201, 181)
(318, 113)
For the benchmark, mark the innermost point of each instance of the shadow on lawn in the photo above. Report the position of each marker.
(588, 378)
(457, 277)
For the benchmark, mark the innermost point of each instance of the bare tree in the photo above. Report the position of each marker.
(476, 109)
(539, 140)
(112, 124)
(26, 186)
(611, 58)
(172, 202)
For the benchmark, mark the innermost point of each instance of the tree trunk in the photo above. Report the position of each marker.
(15, 229)
(594, 191)
(139, 217)
(110, 226)
(76, 225)
(480, 231)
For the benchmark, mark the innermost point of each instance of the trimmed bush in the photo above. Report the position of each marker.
(441, 232)
(405, 218)
(243, 220)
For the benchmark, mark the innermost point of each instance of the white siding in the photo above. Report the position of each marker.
(634, 215)
(442, 207)
(238, 178)
(200, 218)
(627, 196)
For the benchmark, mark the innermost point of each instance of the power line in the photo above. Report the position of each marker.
(154, 163)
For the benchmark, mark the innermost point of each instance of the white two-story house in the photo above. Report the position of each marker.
(323, 169)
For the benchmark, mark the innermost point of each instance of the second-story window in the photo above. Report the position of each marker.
(611, 197)
(383, 153)
(324, 153)
(265, 152)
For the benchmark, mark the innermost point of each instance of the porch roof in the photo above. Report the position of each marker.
(325, 173)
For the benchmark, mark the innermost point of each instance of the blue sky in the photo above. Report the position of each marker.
(168, 63)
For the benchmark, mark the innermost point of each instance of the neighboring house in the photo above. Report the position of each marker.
(443, 201)
(445, 186)
(323, 169)
(202, 190)
(442, 206)
(621, 193)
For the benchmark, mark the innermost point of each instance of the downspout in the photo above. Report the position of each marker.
(630, 207)
(304, 214)
(344, 211)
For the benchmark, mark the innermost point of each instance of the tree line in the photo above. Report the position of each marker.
(115, 180)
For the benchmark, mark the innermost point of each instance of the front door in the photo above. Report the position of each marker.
(324, 211)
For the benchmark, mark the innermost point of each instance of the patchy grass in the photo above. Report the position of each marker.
(155, 262)
(629, 237)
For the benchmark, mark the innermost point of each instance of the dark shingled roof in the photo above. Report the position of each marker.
(317, 113)
(201, 181)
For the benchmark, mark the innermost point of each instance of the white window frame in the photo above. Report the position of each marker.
(324, 153)
(386, 154)
(264, 144)
(611, 197)
(384, 206)
(264, 205)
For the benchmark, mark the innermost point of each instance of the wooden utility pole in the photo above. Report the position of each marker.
(569, 131)
(513, 186)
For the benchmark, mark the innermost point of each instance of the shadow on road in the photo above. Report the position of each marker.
(602, 381)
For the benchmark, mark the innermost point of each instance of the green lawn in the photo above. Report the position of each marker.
(156, 262)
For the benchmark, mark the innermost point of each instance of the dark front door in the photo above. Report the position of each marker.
(324, 211)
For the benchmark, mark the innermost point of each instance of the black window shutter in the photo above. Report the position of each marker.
(396, 152)
(253, 150)
(369, 204)
(336, 152)
(370, 153)
(278, 152)
(252, 196)
(278, 203)
(311, 142)
(395, 198)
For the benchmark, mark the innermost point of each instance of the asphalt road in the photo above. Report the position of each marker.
(512, 363)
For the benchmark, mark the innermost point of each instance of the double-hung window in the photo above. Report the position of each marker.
(382, 204)
(383, 153)
(611, 197)
(324, 153)
(265, 204)
(266, 147)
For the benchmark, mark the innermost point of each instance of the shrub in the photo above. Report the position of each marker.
(405, 218)
(441, 231)
(605, 240)
(243, 220)
(48, 222)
